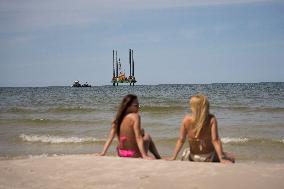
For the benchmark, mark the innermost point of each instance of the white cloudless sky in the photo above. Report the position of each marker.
(47, 43)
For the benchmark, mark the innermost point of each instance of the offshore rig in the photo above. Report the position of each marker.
(118, 76)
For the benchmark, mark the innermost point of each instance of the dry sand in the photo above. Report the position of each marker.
(89, 171)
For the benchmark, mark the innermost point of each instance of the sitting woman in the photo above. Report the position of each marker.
(133, 142)
(201, 129)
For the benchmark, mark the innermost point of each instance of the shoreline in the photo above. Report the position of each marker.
(114, 155)
(90, 171)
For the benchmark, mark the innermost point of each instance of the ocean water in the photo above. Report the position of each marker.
(65, 120)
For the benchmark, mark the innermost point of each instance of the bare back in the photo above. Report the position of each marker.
(127, 131)
(203, 143)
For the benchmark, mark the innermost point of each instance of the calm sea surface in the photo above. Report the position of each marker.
(66, 120)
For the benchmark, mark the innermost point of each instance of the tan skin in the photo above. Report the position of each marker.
(186, 131)
(136, 139)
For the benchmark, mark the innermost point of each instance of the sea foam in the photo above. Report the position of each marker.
(227, 140)
(57, 139)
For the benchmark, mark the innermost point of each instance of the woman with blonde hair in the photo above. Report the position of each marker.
(201, 129)
(132, 141)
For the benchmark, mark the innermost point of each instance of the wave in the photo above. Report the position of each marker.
(154, 108)
(18, 110)
(72, 109)
(57, 139)
(59, 109)
(250, 109)
(227, 140)
(233, 141)
(52, 122)
(162, 109)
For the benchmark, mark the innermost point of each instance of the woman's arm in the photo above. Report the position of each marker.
(217, 142)
(138, 136)
(181, 139)
(110, 138)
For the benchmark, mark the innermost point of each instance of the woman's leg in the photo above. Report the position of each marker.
(150, 146)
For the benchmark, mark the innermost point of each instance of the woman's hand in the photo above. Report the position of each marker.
(148, 157)
(100, 154)
(226, 161)
(169, 158)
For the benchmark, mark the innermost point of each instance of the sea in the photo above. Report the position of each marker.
(58, 121)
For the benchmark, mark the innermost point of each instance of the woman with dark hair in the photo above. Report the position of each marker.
(133, 142)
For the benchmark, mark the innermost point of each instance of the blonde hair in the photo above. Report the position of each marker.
(199, 105)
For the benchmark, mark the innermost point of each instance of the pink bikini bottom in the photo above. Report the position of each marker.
(122, 152)
(125, 153)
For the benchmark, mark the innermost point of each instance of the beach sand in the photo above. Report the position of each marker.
(90, 171)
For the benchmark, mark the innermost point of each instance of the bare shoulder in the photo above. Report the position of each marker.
(133, 116)
(113, 121)
(187, 120)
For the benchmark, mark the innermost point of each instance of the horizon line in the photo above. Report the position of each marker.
(149, 84)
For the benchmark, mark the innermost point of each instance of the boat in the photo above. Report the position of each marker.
(77, 84)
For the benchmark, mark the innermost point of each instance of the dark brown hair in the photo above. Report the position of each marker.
(122, 110)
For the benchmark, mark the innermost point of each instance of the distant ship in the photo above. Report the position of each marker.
(118, 76)
(77, 84)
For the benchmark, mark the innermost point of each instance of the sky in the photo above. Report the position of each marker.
(53, 43)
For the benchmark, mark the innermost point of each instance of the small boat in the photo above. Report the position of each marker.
(77, 84)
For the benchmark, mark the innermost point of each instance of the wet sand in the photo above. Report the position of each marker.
(90, 171)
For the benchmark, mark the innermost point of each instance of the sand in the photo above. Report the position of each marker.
(90, 171)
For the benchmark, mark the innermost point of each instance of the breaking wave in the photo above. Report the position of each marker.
(227, 140)
(162, 109)
(250, 109)
(58, 139)
(71, 109)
